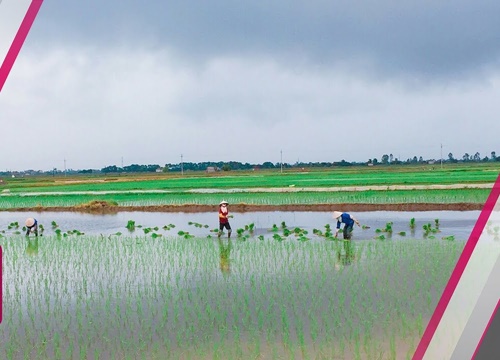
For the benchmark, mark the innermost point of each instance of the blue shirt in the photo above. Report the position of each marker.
(346, 219)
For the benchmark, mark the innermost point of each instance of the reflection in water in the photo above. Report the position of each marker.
(224, 253)
(347, 256)
(32, 246)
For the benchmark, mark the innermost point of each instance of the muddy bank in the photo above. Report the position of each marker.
(104, 208)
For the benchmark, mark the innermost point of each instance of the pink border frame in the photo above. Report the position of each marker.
(18, 42)
(486, 330)
(458, 271)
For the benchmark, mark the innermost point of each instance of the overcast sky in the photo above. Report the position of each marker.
(97, 81)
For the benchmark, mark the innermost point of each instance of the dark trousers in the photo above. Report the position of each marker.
(348, 231)
(33, 229)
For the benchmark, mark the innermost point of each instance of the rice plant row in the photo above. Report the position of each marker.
(367, 197)
(137, 296)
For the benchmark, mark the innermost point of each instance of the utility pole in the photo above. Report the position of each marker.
(182, 167)
(64, 167)
(122, 162)
(281, 160)
(441, 156)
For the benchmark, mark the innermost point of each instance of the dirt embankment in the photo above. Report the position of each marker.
(103, 207)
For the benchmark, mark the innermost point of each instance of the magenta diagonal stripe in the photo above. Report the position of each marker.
(1, 285)
(458, 271)
(486, 329)
(19, 39)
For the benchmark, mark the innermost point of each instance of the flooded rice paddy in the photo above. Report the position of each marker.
(455, 223)
(134, 296)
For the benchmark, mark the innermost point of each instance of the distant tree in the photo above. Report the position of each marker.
(110, 169)
(226, 167)
(344, 163)
(450, 157)
(375, 161)
(466, 157)
(421, 160)
(477, 157)
(493, 156)
(391, 158)
(385, 159)
(414, 160)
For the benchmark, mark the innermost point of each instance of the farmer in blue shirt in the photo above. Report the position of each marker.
(349, 222)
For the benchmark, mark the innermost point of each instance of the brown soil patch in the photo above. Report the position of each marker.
(105, 207)
(94, 206)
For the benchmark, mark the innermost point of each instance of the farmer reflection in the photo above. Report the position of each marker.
(347, 256)
(224, 253)
(32, 247)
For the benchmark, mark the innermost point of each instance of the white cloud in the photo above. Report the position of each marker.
(93, 106)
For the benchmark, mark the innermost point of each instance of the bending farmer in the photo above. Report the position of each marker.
(31, 226)
(223, 218)
(349, 222)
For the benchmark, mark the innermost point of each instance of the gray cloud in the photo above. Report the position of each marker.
(92, 106)
(242, 81)
(416, 39)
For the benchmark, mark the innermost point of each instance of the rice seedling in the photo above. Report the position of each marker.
(130, 225)
(250, 228)
(13, 225)
(198, 225)
(140, 303)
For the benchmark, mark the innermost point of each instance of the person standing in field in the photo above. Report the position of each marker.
(223, 218)
(31, 226)
(348, 220)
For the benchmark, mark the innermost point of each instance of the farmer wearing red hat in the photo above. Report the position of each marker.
(223, 218)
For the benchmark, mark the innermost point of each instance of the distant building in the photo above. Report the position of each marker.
(211, 169)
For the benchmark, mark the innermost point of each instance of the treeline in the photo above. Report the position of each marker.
(209, 166)
(386, 159)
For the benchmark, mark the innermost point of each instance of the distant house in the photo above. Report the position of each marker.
(211, 169)
(159, 170)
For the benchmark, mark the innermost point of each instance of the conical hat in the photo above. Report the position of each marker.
(336, 214)
(224, 202)
(30, 222)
